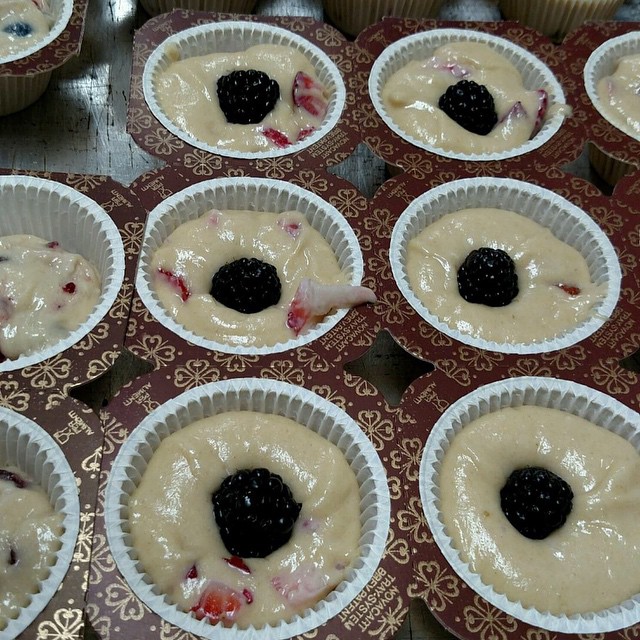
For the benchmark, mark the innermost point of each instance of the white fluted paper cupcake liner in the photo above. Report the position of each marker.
(258, 194)
(602, 62)
(155, 7)
(566, 221)
(535, 75)
(236, 36)
(271, 397)
(585, 402)
(62, 10)
(55, 211)
(25, 445)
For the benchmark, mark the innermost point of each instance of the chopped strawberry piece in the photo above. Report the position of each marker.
(54, 244)
(277, 137)
(192, 574)
(292, 228)
(516, 111)
(303, 585)
(70, 287)
(305, 133)
(308, 94)
(219, 603)
(248, 596)
(177, 282)
(238, 563)
(543, 101)
(569, 289)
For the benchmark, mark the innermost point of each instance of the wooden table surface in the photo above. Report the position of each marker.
(79, 125)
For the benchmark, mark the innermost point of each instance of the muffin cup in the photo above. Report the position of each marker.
(556, 18)
(592, 405)
(62, 10)
(237, 36)
(352, 16)
(19, 89)
(258, 194)
(602, 62)
(25, 445)
(534, 72)
(156, 7)
(54, 211)
(271, 397)
(566, 221)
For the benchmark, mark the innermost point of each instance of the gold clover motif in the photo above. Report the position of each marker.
(413, 522)
(284, 370)
(379, 429)
(202, 163)
(46, 374)
(12, 397)
(615, 379)
(406, 458)
(65, 625)
(82, 552)
(102, 562)
(436, 586)
(153, 348)
(489, 622)
(195, 373)
(163, 143)
(123, 602)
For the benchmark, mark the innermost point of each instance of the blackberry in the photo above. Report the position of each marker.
(19, 29)
(536, 501)
(488, 276)
(247, 285)
(470, 105)
(255, 512)
(247, 96)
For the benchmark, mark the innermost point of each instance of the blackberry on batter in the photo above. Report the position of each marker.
(488, 276)
(470, 105)
(536, 501)
(247, 96)
(248, 285)
(255, 512)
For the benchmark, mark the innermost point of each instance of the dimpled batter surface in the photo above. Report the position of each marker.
(619, 94)
(590, 563)
(45, 292)
(21, 12)
(173, 526)
(198, 248)
(186, 93)
(542, 263)
(411, 97)
(29, 540)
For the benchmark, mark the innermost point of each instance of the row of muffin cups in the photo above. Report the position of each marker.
(355, 74)
(56, 440)
(332, 349)
(188, 363)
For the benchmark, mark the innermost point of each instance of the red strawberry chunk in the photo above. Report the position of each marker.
(70, 287)
(177, 282)
(308, 94)
(54, 244)
(238, 563)
(305, 133)
(570, 289)
(277, 137)
(219, 603)
(292, 228)
(192, 574)
(543, 101)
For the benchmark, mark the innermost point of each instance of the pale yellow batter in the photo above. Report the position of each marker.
(29, 540)
(541, 310)
(23, 12)
(619, 94)
(186, 93)
(45, 292)
(175, 535)
(197, 249)
(590, 563)
(411, 95)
